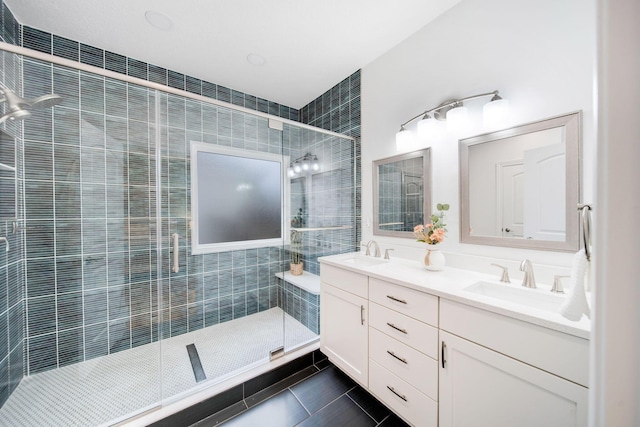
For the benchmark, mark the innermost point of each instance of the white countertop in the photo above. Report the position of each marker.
(450, 283)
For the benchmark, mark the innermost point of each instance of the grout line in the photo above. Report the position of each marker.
(299, 401)
(356, 403)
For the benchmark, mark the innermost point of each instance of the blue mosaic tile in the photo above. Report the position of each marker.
(96, 339)
(65, 48)
(91, 55)
(193, 85)
(176, 80)
(70, 346)
(115, 62)
(35, 39)
(137, 68)
(42, 353)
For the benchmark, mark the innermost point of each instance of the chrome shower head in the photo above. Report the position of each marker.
(18, 107)
(45, 101)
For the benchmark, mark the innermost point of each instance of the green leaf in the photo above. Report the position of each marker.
(445, 207)
(439, 206)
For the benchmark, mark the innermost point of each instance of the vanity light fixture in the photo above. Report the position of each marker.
(302, 165)
(456, 116)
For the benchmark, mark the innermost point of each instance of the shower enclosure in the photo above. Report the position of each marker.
(106, 312)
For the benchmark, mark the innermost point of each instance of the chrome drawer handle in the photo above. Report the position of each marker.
(404, 331)
(401, 396)
(397, 357)
(396, 299)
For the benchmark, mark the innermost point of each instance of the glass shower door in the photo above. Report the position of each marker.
(219, 306)
(322, 211)
(91, 349)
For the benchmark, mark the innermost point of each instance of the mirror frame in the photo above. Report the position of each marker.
(425, 153)
(572, 122)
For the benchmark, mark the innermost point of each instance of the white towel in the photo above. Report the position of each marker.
(576, 303)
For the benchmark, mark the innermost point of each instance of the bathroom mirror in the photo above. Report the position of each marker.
(7, 176)
(520, 187)
(401, 193)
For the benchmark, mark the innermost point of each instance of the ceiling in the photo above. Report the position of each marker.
(309, 46)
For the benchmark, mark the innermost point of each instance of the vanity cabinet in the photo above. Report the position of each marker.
(403, 351)
(439, 362)
(483, 387)
(344, 334)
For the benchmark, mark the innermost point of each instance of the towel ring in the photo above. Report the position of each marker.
(586, 228)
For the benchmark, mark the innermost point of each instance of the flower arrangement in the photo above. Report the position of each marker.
(433, 233)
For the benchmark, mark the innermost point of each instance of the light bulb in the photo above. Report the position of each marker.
(429, 129)
(495, 114)
(297, 168)
(315, 165)
(290, 172)
(457, 120)
(404, 140)
(305, 165)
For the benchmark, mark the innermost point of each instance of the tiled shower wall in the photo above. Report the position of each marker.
(92, 282)
(338, 110)
(90, 186)
(12, 304)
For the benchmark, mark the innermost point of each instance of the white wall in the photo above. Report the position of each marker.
(615, 347)
(538, 54)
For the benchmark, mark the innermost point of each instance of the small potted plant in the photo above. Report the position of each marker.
(296, 253)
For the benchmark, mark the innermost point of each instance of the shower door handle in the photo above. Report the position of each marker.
(176, 253)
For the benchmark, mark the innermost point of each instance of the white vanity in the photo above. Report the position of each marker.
(438, 353)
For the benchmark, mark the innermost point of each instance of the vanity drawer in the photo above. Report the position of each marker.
(405, 329)
(404, 399)
(406, 363)
(410, 302)
(346, 280)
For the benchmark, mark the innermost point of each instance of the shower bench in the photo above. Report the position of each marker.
(301, 298)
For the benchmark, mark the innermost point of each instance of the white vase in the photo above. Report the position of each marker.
(434, 259)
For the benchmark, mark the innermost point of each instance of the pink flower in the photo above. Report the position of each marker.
(418, 228)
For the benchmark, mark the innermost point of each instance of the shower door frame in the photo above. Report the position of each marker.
(28, 53)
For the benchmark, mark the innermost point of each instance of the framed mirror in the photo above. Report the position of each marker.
(401, 193)
(520, 187)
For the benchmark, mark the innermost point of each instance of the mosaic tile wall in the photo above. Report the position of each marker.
(301, 305)
(12, 304)
(338, 110)
(88, 164)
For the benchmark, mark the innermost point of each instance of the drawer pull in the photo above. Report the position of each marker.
(397, 357)
(396, 299)
(401, 396)
(404, 331)
(362, 314)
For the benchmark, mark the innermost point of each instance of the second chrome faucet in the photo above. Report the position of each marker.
(529, 281)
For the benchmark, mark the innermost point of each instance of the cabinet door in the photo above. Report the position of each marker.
(480, 387)
(344, 334)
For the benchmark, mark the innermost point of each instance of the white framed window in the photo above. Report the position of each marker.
(238, 198)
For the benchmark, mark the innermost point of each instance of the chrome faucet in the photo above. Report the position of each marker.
(529, 281)
(376, 247)
(505, 273)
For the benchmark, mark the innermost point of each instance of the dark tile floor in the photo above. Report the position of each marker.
(319, 395)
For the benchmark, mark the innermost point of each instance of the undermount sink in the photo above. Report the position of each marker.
(363, 261)
(514, 293)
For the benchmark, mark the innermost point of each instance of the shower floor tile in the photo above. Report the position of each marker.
(105, 389)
